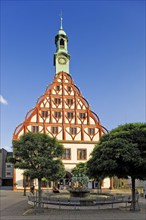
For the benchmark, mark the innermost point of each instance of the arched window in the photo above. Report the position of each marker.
(61, 42)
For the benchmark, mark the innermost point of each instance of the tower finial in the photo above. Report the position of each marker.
(61, 28)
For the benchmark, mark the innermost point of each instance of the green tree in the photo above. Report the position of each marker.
(80, 168)
(58, 172)
(121, 153)
(38, 155)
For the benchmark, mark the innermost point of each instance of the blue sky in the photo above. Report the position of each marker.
(107, 48)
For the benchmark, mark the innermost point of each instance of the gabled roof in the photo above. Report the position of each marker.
(63, 96)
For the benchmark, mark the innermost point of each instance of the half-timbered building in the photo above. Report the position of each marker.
(62, 112)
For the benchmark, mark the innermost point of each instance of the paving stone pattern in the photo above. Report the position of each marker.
(14, 207)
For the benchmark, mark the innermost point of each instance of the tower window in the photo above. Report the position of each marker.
(91, 131)
(70, 114)
(35, 129)
(61, 42)
(54, 130)
(73, 130)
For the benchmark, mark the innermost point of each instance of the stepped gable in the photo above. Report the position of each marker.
(62, 112)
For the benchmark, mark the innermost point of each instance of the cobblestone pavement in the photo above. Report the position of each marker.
(14, 207)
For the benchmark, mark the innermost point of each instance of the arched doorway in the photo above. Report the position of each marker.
(66, 181)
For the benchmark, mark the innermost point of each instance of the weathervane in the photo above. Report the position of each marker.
(61, 21)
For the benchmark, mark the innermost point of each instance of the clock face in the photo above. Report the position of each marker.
(62, 60)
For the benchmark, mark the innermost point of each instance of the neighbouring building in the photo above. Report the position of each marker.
(6, 168)
(63, 112)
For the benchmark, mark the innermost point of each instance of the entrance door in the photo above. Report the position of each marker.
(66, 181)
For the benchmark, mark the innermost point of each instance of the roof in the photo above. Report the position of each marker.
(61, 31)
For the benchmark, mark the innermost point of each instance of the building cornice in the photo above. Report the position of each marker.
(77, 142)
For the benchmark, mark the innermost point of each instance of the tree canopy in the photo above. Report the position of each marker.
(80, 168)
(38, 155)
(58, 171)
(122, 153)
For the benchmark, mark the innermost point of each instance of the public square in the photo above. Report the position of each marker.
(73, 110)
(14, 206)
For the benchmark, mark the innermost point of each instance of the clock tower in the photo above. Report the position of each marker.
(61, 56)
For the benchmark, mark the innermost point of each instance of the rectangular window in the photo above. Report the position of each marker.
(57, 114)
(69, 101)
(70, 114)
(73, 130)
(81, 154)
(9, 174)
(45, 114)
(54, 130)
(57, 101)
(9, 165)
(69, 88)
(67, 154)
(83, 115)
(35, 129)
(91, 131)
(57, 88)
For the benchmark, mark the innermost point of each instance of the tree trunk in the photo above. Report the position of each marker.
(111, 183)
(24, 186)
(39, 194)
(132, 208)
(24, 191)
(134, 202)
